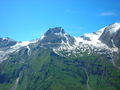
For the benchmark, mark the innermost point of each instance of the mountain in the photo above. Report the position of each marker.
(59, 61)
(56, 36)
(6, 42)
(111, 35)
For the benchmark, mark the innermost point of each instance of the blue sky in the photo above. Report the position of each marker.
(24, 20)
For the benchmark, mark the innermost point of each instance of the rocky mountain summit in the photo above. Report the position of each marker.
(57, 36)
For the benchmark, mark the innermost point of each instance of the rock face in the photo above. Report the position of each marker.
(56, 36)
(111, 35)
(6, 43)
(116, 39)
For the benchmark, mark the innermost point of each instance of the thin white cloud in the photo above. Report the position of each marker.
(108, 14)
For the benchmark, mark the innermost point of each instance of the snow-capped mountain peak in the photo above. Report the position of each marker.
(113, 28)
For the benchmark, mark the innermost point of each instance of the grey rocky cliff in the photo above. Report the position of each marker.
(111, 36)
(56, 36)
(6, 43)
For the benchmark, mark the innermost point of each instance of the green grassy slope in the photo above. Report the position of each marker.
(44, 70)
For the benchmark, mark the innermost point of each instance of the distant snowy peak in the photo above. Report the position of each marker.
(7, 39)
(10, 43)
(6, 42)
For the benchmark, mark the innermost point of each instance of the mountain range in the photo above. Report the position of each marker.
(59, 61)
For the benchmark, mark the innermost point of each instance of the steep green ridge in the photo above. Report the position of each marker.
(45, 70)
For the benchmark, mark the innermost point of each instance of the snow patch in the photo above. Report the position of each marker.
(42, 37)
(113, 28)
